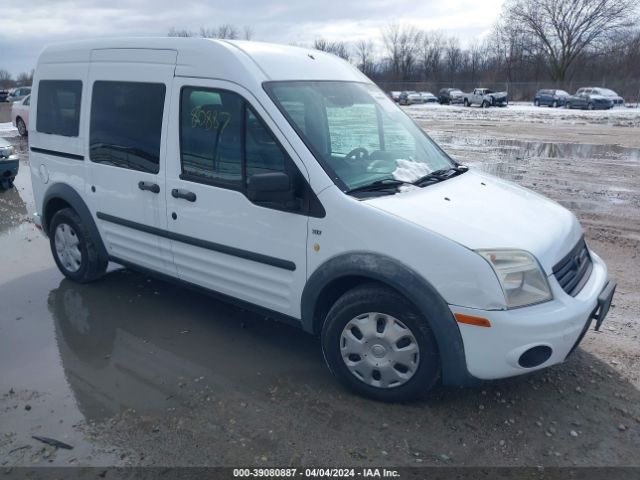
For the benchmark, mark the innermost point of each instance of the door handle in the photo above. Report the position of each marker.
(184, 194)
(150, 186)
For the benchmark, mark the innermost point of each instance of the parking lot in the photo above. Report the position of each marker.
(133, 370)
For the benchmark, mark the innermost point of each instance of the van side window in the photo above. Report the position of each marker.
(58, 111)
(222, 140)
(263, 153)
(211, 126)
(126, 124)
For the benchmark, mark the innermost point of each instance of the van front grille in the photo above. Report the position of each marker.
(573, 271)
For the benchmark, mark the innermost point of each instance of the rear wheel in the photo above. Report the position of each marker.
(485, 104)
(74, 249)
(22, 128)
(466, 103)
(555, 104)
(568, 105)
(377, 344)
(589, 106)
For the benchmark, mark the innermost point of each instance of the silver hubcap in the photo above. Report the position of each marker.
(379, 350)
(68, 247)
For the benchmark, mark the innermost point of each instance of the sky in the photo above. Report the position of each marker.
(29, 25)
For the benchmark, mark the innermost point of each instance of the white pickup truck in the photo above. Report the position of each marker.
(486, 97)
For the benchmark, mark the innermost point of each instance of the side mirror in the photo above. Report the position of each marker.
(270, 187)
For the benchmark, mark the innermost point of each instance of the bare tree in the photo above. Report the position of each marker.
(24, 79)
(401, 43)
(225, 30)
(338, 48)
(431, 49)
(364, 54)
(247, 32)
(173, 32)
(454, 57)
(475, 59)
(565, 28)
(5, 79)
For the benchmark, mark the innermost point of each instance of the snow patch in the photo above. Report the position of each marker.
(8, 130)
(410, 171)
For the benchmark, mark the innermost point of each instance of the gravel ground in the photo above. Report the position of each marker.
(135, 371)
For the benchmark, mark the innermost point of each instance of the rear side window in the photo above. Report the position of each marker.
(126, 124)
(59, 107)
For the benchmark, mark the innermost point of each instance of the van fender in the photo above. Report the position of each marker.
(402, 278)
(62, 191)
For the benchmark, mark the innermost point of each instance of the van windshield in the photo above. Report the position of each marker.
(357, 133)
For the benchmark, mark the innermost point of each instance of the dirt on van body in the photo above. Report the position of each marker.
(135, 371)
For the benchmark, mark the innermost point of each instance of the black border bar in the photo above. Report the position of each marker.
(56, 153)
(216, 247)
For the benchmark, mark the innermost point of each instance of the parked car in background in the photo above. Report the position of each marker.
(589, 99)
(617, 100)
(395, 95)
(485, 97)
(551, 97)
(20, 115)
(18, 94)
(9, 164)
(3, 95)
(428, 97)
(410, 98)
(449, 96)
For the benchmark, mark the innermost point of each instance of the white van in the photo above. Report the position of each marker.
(283, 179)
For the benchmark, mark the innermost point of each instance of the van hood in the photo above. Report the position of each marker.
(480, 211)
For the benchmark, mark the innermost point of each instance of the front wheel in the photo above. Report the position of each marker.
(74, 250)
(590, 106)
(466, 103)
(537, 103)
(485, 104)
(554, 104)
(378, 345)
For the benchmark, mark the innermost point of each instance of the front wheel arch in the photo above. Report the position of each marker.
(363, 267)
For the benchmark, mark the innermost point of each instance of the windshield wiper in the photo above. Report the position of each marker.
(440, 175)
(378, 185)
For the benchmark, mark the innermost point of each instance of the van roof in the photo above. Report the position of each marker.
(211, 58)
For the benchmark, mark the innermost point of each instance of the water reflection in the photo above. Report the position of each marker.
(132, 342)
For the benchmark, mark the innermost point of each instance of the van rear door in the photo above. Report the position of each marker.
(129, 100)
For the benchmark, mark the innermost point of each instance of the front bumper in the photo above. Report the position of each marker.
(557, 325)
(9, 167)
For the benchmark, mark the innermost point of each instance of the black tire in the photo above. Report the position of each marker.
(485, 104)
(589, 106)
(554, 104)
(536, 103)
(378, 298)
(466, 103)
(91, 266)
(22, 128)
(568, 105)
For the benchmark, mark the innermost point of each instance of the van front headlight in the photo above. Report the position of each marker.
(520, 275)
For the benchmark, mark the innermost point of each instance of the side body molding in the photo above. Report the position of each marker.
(403, 279)
(64, 192)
